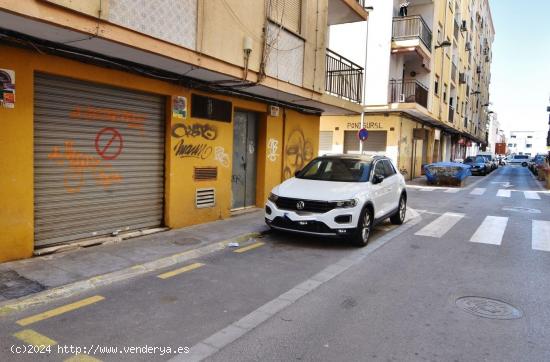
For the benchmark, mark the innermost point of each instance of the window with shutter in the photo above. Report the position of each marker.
(287, 13)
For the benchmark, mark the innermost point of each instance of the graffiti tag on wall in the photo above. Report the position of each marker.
(272, 148)
(221, 156)
(298, 152)
(77, 164)
(132, 119)
(183, 150)
(205, 131)
(189, 132)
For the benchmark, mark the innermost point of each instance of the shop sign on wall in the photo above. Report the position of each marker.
(179, 107)
(7, 88)
(367, 125)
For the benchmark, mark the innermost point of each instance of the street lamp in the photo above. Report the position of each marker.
(443, 44)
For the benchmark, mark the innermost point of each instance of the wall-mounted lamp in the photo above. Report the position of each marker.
(444, 44)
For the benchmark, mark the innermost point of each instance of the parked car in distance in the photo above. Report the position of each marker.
(518, 160)
(501, 160)
(479, 165)
(491, 158)
(458, 160)
(537, 163)
(339, 196)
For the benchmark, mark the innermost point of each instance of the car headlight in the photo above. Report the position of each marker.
(272, 197)
(347, 203)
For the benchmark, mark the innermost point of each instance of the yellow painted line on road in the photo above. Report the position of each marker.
(180, 270)
(249, 247)
(82, 358)
(57, 311)
(28, 336)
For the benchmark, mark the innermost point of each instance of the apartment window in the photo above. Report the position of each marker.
(513, 136)
(528, 145)
(529, 136)
(510, 145)
(445, 93)
(436, 86)
(288, 13)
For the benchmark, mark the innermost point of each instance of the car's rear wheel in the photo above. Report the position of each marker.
(364, 228)
(399, 217)
(524, 164)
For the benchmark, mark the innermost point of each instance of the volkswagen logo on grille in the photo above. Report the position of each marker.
(300, 205)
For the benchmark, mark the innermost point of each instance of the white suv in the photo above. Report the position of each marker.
(339, 195)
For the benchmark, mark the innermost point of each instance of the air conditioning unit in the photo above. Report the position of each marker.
(468, 46)
(402, 98)
(464, 26)
(462, 78)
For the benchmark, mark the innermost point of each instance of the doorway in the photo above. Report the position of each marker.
(245, 141)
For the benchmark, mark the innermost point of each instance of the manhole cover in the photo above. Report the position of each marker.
(488, 308)
(522, 209)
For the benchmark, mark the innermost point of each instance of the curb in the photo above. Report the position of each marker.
(82, 286)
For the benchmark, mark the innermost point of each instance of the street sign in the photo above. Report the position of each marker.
(363, 134)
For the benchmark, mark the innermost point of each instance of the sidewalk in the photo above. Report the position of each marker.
(24, 277)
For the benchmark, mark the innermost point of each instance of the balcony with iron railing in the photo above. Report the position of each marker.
(408, 91)
(346, 11)
(410, 28)
(344, 78)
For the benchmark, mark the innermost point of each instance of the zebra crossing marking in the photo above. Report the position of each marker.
(441, 225)
(490, 231)
(540, 235)
(478, 191)
(531, 195)
(504, 193)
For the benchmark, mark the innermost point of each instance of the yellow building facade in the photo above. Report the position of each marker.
(109, 127)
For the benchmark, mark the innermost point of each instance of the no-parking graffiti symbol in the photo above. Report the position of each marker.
(108, 143)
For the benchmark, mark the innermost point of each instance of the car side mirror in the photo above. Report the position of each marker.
(376, 179)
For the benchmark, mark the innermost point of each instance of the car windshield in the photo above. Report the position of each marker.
(336, 169)
(478, 159)
(521, 157)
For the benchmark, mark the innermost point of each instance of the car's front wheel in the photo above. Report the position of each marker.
(364, 228)
(399, 217)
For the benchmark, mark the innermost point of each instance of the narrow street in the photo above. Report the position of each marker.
(285, 297)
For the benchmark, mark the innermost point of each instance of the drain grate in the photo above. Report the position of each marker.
(488, 308)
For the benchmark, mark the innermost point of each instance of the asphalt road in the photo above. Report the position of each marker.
(301, 298)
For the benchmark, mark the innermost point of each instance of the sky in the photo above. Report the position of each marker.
(520, 81)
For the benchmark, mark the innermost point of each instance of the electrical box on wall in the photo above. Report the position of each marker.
(274, 111)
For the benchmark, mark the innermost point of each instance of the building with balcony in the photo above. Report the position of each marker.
(121, 115)
(426, 83)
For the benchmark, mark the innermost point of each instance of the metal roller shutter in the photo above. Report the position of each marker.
(351, 142)
(286, 12)
(98, 159)
(375, 143)
(325, 140)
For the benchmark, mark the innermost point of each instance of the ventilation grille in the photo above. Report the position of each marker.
(205, 198)
(205, 173)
